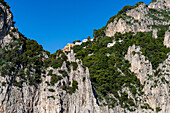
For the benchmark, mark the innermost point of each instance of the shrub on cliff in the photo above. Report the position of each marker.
(125, 8)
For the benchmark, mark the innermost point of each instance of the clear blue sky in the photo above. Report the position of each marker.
(54, 23)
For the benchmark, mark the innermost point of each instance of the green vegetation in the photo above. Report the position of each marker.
(18, 84)
(74, 86)
(51, 90)
(104, 70)
(109, 71)
(5, 4)
(146, 106)
(72, 89)
(154, 0)
(51, 97)
(137, 4)
(56, 60)
(76, 41)
(133, 52)
(74, 64)
(125, 8)
(47, 83)
(3, 83)
(99, 32)
(14, 30)
(55, 78)
(156, 14)
(63, 72)
(25, 56)
(122, 12)
(158, 109)
(50, 73)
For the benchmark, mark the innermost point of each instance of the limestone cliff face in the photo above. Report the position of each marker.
(167, 39)
(6, 19)
(155, 86)
(139, 64)
(140, 19)
(6, 24)
(38, 99)
(160, 4)
(82, 101)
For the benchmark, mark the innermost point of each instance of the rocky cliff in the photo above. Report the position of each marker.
(34, 81)
(142, 18)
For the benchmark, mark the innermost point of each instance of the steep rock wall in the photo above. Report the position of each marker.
(167, 39)
(38, 98)
(139, 19)
(156, 85)
(6, 20)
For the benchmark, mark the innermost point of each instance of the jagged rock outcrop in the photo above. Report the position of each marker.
(6, 24)
(156, 85)
(140, 19)
(45, 97)
(139, 64)
(160, 4)
(6, 19)
(36, 99)
(82, 101)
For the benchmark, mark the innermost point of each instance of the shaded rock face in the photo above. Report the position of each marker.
(6, 19)
(82, 101)
(139, 19)
(6, 24)
(38, 98)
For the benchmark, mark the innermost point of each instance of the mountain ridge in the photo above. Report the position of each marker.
(130, 76)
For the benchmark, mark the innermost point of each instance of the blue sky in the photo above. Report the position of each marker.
(54, 23)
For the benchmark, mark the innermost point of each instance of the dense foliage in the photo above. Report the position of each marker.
(55, 60)
(24, 58)
(4, 3)
(71, 89)
(109, 71)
